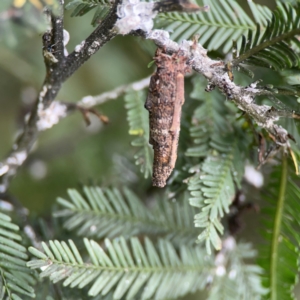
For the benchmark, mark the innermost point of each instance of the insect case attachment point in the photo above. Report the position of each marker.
(164, 102)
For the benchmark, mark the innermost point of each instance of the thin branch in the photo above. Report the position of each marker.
(59, 110)
(244, 97)
(276, 230)
(97, 39)
(58, 69)
(91, 101)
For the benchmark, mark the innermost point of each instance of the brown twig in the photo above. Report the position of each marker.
(244, 97)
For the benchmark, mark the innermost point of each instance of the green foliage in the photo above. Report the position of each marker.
(106, 213)
(213, 190)
(241, 281)
(208, 121)
(81, 7)
(131, 269)
(293, 2)
(260, 13)
(167, 264)
(135, 270)
(15, 277)
(275, 46)
(225, 21)
(280, 254)
(138, 120)
(213, 186)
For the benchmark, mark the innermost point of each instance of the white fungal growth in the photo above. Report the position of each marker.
(134, 15)
(253, 176)
(38, 169)
(92, 49)
(220, 271)
(66, 37)
(87, 101)
(137, 86)
(4, 169)
(66, 41)
(229, 244)
(79, 47)
(160, 35)
(17, 159)
(51, 116)
(4, 205)
(2, 188)
(43, 93)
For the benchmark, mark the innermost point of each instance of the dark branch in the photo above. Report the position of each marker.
(58, 69)
(101, 35)
(177, 5)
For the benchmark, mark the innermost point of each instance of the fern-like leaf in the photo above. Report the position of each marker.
(273, 47)
(81, 7)
(280, 255)
(213, 185)
(138, 120)
(213, 190)
(107, 213)
(225, 21)
(130, 270)
(260, 13)
(15, 277)
(208, 119)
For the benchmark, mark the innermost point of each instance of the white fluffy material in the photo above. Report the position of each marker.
(134, 15)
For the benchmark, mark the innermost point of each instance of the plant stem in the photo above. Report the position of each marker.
(276, 230)
(283, 37)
